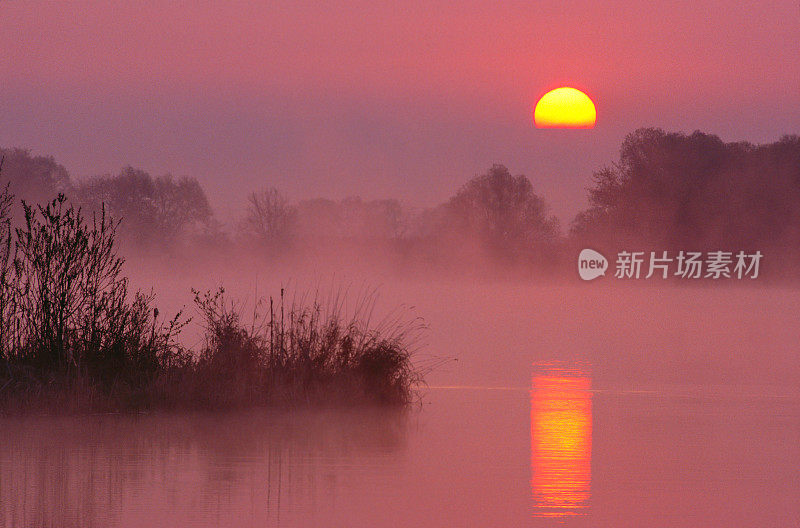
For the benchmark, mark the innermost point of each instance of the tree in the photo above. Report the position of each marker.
(503, 213)
(180, 204)
(270, 218)
(690, 192)
(152, 210)
(351, 218)
(33, 178)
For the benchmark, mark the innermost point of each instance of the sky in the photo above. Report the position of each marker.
(383, 99)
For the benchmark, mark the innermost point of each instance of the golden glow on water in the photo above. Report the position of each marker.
(561, 442)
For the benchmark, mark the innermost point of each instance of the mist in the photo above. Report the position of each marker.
(492, 244)
(309, 264)
(667, 191)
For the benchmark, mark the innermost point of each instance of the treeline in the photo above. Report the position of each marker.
(496, 215)
(673, 191)
(667, 191)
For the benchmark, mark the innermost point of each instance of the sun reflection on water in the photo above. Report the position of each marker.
(561, 440)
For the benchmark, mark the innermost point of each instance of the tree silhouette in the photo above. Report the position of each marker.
(270, 218)
(152, 210)
(33, 178)
(503, 214)
(351, 218)
(673, 190)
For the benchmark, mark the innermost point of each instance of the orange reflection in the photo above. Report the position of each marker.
(561, 442)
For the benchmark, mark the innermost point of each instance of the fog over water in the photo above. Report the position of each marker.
(636, 333)
(613, 402)
(599, 404)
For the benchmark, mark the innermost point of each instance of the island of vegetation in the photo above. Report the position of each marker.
(73, 337)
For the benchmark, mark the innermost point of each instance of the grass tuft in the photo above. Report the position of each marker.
(306, 350)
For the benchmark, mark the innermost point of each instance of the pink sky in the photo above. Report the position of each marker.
(381, 100)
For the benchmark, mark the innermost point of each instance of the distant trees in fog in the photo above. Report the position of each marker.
(667, 191)
(351, 218)
(274, 225)
(494, 215)
(33, 178)
(153, 210)
(502, 214)
(672, 190)
(269, 219)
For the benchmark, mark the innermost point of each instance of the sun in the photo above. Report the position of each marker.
(565, 107)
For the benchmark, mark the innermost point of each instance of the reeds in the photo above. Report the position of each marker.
(307, 349)
(72, 336)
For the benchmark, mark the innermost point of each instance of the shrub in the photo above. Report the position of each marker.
(307, 351)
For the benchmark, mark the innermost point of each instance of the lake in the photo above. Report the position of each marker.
(554, 406)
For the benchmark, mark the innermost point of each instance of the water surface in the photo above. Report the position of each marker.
(671, 409)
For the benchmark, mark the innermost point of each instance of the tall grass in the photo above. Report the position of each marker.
(306, 350)
(73, 335)
(68, 319)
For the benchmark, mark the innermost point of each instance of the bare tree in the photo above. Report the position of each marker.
(269, 219)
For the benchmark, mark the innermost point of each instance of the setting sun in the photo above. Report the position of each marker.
(565, 108)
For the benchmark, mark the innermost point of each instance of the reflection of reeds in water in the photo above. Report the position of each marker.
(245, 468)
(561, 440)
